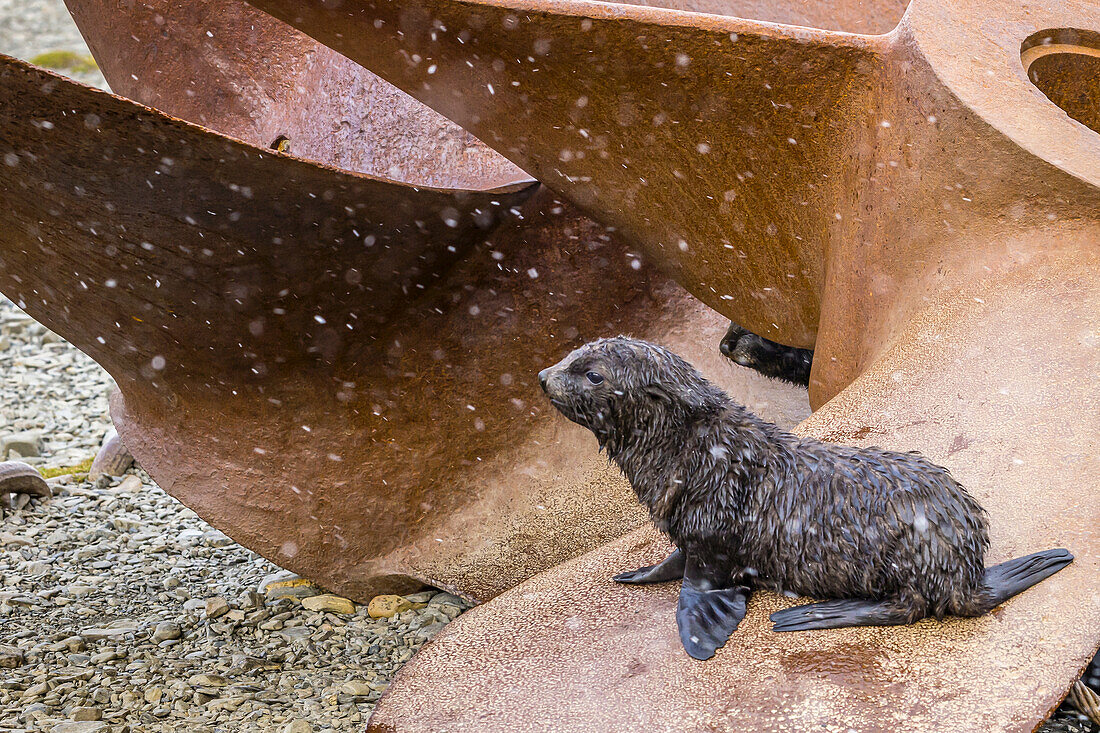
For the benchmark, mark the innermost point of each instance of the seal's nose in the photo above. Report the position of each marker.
(543, 376)
(726, 347)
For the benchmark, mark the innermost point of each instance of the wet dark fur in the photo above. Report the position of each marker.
(761, 507)
(771, 359)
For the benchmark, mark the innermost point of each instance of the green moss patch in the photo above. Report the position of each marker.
(79, 63)
(82, 467)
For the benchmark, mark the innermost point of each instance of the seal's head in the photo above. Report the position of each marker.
(623, 389)
(740, 345)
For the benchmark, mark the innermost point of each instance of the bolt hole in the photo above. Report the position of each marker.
(1064, 64)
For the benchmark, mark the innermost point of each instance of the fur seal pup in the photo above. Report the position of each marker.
(890, 537)
(771, 359)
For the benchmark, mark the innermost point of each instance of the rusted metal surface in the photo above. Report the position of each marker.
(660, 114)
(227, 66)
(909, 204)
(335, 370)
(784, 174)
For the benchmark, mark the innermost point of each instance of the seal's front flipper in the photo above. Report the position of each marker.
(707, 614)
(707, 618)
(837, 614)
(671, 568)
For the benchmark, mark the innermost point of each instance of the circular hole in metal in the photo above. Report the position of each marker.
(1064, 63)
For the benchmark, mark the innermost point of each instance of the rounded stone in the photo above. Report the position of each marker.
(388, 606)
(329, 603)
(165, 631)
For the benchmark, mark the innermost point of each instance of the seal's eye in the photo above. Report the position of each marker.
(594, 377)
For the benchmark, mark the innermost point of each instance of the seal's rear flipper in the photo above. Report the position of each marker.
(837, 614)
(671, 568)
(1015, 576)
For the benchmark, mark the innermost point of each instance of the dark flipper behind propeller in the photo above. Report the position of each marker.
(767, 357)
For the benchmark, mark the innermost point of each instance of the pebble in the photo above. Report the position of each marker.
(446, 599)
(112, 459)
(388, 606)
(166, 631)
(81, 714)
(216, 607)
(359, 688)
(14, 446)
(10, 656)
(297, 726)
(88, 726)
(330, 603)
(207, 680)
(98, 634)
(129, 485)
(36, 690)
(285, 584)
(20, 480)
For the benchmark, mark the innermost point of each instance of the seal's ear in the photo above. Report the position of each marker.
(657, 392)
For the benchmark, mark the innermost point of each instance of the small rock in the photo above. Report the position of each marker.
(189, 536)
(7, 538)
(37, 568)
(81, 714)
(130, 485)
(214, 538)
(37, 711)
(107, 656)
(250, 599)
(297, 726)
(387, 606)
(127, 522)
(357, 688)
(427, 632)
(330, 603)
(216, 607)
(21, 479)
(112, 460)
(421, 597)
(285, 584)
(446, 599)
(74, 643)
(166, 630)
(36, 690)
(27, 444)
(96, 633)
(10, 656)
(207, 680)
(295, 633)
(85, 726)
